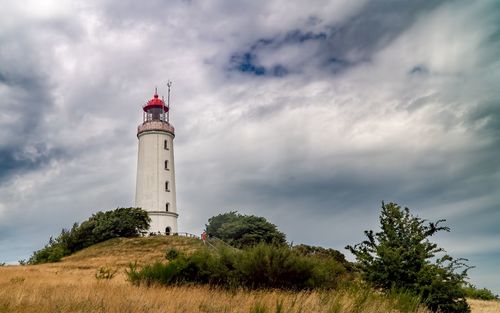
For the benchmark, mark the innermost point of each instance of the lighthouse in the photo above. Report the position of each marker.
(155, 188)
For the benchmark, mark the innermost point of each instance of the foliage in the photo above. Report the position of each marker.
(105, 273)
(260, 266)
(172, 254)
(473, 292)
(399, 257)
(244, 230)
(323, 253)
(2, 263)
(22, 262)
(101, 226)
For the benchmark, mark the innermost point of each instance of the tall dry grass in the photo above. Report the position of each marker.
(481, 306)
(71, 286)
(50, 288)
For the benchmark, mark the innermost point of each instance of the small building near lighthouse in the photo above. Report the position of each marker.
(155, 188)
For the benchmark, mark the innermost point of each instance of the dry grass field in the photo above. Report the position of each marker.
(71, 286)
(480, 306)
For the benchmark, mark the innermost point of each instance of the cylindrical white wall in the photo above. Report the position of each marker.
(152, 194)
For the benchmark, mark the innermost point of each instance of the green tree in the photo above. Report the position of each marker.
(401, 257)
(101, 226)
(243, 230)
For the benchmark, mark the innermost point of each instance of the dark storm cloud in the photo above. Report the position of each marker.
(486, 118)
(374, 27)
(15, 160)
(26, 101)
(27, 91)
(247, 62)
(341, 45)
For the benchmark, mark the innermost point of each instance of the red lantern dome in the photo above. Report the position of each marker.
(155, 103)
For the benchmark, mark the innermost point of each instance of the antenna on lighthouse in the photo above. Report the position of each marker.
(169, 84)
(163, 107)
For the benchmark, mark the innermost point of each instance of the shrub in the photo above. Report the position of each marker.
(172, 254)
(261, 266)
(324, 253)
(101, 226)
(400, 257)
(105, 273)
(244, 230)
(483, 294)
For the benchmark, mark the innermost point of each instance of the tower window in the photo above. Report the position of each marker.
(166, 186)
(167, 207)
(166, 165)
(165, 144)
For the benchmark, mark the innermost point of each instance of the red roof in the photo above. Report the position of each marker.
(155, 103)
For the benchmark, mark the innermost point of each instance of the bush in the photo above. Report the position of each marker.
(244, 230)
(400, 257)
(105, 273)
(172, 254)
(261, 266)
(101, 226)
(324, 253)
(473, 292)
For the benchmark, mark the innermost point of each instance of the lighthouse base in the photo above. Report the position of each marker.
(163, 223)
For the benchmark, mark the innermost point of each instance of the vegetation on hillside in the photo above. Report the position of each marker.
(260, 266)
(53, 287)
(473, 292)
(324, 253)
(71, 286)
(401, 257)
(101, 226)
(242, 231)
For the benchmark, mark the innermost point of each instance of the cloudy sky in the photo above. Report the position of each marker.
(308, 113)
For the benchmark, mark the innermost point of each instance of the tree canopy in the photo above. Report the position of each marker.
(401, 257)
(101, 226)
(243, 230)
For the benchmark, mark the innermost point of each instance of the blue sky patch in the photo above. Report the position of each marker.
(418, 69)
(247, 62)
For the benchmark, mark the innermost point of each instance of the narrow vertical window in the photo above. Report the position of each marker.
(165, 144)
(166, 186)
(167, 207)
(166, 165)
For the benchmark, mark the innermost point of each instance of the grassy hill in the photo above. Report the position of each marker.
(119, 252)
(71, 286)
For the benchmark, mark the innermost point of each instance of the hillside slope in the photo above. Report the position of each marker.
(71, 286)
(119, 252)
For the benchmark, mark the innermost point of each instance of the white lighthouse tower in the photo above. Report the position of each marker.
(155, 189)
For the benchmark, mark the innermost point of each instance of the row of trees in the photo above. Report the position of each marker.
(101, 226)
